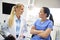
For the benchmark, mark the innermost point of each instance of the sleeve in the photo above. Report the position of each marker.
(35, 23)
(50, 25)
(5, 29)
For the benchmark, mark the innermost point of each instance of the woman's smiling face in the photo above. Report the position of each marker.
(41, 13)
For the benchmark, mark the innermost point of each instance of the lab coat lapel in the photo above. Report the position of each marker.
(21, 27)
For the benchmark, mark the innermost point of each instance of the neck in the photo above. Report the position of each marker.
(43, 19)
(18, 16)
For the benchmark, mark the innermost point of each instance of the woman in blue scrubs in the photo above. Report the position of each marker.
(42, 27)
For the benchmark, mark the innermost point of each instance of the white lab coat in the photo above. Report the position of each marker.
(12, 30)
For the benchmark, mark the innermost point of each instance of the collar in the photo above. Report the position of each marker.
(15, 17)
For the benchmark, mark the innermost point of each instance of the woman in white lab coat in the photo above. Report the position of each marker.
(16, 25)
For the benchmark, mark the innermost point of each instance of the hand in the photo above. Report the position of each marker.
(41, 32)
(22, 36)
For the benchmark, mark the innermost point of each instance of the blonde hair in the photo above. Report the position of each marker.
(11, 18)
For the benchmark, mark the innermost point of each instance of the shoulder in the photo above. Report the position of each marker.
(49, 21)
(23, 20)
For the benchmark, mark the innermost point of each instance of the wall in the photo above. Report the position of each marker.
(48, 3)
(5, 16)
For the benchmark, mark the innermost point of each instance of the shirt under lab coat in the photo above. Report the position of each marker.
(23, 28)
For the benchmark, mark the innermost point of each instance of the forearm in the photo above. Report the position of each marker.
(45, 33)
(33, 31)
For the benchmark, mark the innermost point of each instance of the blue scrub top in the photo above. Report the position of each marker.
(42, 26)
